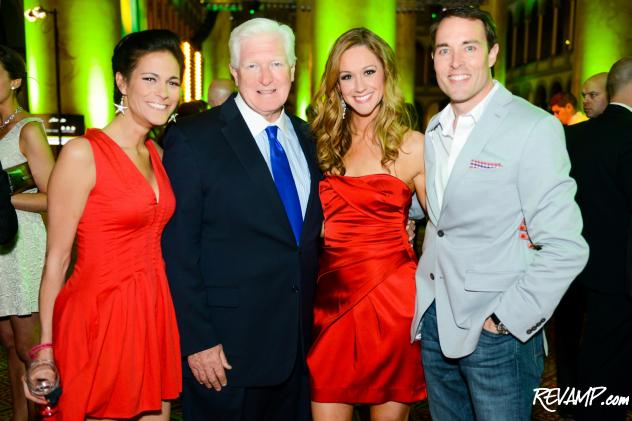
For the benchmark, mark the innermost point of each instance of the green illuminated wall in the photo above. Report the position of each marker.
(304, 63)
(40, 63)
(215, 52)
(133, 16)
(333, 17)
(603, 37)
(88, 31)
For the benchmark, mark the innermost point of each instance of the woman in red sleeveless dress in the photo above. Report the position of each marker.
(365, 294)
(112, 324)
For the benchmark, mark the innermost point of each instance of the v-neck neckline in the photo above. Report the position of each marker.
(156, 194)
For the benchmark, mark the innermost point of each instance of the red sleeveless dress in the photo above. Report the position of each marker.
(365, 295)
(114, 327)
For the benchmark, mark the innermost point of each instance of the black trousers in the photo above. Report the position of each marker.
(287, 401)
(605, 357)
(568, 322)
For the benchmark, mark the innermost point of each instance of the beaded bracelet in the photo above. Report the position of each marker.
(37, 348)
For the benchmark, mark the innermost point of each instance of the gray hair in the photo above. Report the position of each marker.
(259, 26)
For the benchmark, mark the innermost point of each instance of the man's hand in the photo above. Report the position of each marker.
(490, 326)
(410, 230)
(208, 367)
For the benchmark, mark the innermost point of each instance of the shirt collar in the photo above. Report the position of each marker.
(255, 121)
(622, 105)
(447, 116)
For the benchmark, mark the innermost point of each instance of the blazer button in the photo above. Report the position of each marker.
(440, 233)
(432, 276)
(529, 331)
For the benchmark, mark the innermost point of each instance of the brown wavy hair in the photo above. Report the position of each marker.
(332, 132)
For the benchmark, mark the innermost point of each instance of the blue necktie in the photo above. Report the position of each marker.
(285, 182)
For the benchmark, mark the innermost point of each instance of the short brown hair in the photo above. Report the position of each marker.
(562, 99)
(471, 13)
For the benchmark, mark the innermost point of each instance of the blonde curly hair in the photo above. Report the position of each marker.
(332, 132)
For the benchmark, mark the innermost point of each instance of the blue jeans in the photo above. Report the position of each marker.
(495, 382)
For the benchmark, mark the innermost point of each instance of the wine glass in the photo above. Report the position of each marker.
(42, 379)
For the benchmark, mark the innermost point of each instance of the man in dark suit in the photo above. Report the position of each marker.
(8, 219)
(601, 158)
(241, 250)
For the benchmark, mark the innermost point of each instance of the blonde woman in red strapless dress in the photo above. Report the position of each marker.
(373, 161)
(111, 327)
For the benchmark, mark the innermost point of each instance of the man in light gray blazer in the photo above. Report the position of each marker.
(492, 161)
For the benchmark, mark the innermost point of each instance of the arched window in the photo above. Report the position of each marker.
(539, 99)
(520, 39)
(421, 57)
(563, 26)
(533, 34)
(547, 30)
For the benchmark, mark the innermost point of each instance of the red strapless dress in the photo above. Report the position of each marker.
(115, 333)
(365, 295)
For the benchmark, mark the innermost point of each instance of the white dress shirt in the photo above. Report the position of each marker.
(288, 139)
(453, 135)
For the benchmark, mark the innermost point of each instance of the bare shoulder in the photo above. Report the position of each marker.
(32, 129)
(413, 144)
(78, 151)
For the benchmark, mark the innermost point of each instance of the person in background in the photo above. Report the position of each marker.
(564, 108)
(191, 108)
(601, 161)
(23, 143)
(8, 218)
(111, 328)
(595, 95)
(372, 159)
(219, 91)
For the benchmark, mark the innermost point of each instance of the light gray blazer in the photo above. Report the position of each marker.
(473, 262)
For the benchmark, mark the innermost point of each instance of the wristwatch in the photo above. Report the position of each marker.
(500, 327)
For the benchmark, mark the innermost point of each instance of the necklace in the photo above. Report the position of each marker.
(9, 119)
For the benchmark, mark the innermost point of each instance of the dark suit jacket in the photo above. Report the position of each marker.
(8, 219)
(237, 276)
(600, 150)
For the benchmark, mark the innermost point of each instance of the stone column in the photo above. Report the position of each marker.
(88, 32)
(333, 17)
(303, 85)
(215, 51)
(602, 36)
(405, 51)
(499, 11)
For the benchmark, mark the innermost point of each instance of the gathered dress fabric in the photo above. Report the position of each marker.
(22, 260)
(115, 334)
(365, 295)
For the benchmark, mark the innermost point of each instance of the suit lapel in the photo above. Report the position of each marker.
(430, 169)
(243, 144)
(485, 129)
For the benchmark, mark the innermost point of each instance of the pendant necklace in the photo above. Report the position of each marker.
(11, 117)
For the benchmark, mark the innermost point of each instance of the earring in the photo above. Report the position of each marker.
(13, 88)
(120, 108)
(172, 118)
(344, 108)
